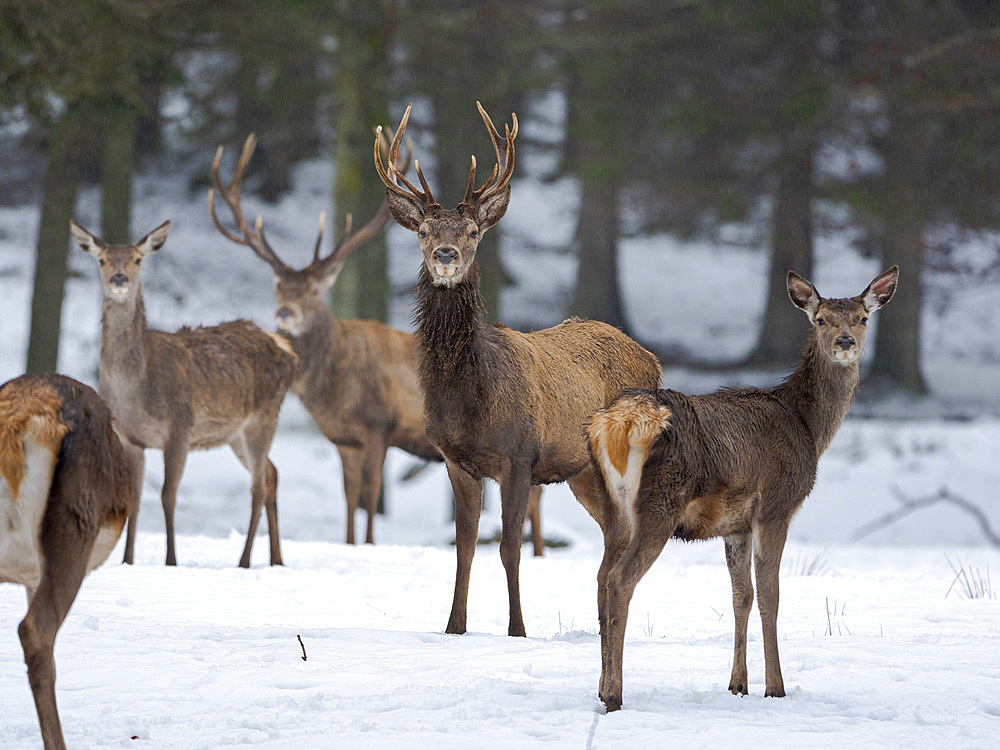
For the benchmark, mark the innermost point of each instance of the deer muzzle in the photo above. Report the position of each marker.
(445, 255)
(845, 342)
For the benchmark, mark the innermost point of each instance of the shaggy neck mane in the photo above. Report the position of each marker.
(449, 322)
(821, 391)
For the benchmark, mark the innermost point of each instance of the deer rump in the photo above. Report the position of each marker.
(64, 472)
(699, 460)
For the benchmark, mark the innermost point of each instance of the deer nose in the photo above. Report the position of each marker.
(283, 313)
(119, 279)
(445, 255)
(845, 342)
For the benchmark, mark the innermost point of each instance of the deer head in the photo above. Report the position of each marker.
(449, 237)
(120, 263)
(299, 293)
(841, 324)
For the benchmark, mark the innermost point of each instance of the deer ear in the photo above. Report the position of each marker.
(88, 242)
(406, 211)
(154, 240)
(491, 210)
(880, 290)
(802, 293)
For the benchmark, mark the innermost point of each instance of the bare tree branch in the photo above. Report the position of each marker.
(912, 504)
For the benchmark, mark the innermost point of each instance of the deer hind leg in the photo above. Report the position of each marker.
(250, 448)
(137, 457)
(647, 542)
(738, 548)
(174, 455)
(535, 516)
(351, 462)
(371, 485)
(769, 544)
(468, 493)
(514, 491)
(65, 553)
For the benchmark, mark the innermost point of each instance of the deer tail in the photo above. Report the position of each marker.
(28, 412)
(620, 438)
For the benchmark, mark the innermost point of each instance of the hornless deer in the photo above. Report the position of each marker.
(499, 403)
(356, 378)
(196, 388)
(736, 463)
(65, 489)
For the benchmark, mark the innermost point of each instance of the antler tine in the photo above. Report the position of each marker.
(505, 164)
(231, 196)
(319, 236)
(393, 176)
(351, 241)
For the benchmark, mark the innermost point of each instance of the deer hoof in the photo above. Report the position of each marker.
(612, 702)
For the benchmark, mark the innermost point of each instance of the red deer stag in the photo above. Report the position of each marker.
(65, 489)
(196, 388)
(736, 463)
(499, 403)
(356, 378)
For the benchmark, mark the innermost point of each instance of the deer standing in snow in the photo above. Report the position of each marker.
(736, 463)
(356, 378)
(65, 491)
(196, 388)
(500, 403)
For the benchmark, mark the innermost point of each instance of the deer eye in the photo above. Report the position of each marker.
(138, 261)
(474, 233)
(421, 234)
(100, 262)
(864, 321)
(820, 322)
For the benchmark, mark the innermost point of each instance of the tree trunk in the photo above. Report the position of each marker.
(63, 173)
(784, 328)
(596, 294)
(896, 364)
(362, 289)
(117, 167)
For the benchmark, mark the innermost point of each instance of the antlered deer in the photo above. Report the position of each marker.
(499, 403)
(65, 489)
(196, 388)
(736, 463)
(356, 378)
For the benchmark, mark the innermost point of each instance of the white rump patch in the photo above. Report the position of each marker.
(21, 518)
(624, 488)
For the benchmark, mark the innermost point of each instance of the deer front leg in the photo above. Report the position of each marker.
(646, 544)
(738, 547)
(174, 455)
(137, 457)
(767, 560)
(468, 493)
(351, 461)
(371, 485)
(514, 491)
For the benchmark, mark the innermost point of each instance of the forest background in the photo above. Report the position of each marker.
(777, 123)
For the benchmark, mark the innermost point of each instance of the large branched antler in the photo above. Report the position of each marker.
(392, 175)
(505, 163)
(252, 238)
(503, 147)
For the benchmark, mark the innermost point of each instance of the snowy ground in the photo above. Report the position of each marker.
(205, 655)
